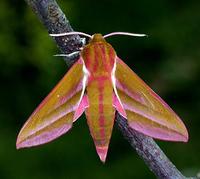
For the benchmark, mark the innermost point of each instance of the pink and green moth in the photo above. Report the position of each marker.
(99, 84)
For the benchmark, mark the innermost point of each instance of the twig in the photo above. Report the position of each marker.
(55, 21)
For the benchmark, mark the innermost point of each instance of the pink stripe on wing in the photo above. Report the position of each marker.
(158, 133)
(123, 87)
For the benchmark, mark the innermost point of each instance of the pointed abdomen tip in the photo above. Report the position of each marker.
(102, 152)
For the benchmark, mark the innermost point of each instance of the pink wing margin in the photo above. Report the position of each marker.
(146, 111)
(55, 115)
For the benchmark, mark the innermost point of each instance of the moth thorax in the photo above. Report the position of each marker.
(99, 57)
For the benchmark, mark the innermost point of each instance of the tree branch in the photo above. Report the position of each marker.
(55, 21)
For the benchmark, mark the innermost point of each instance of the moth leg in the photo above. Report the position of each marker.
(69, 58)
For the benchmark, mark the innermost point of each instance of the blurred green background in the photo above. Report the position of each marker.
(168, 60)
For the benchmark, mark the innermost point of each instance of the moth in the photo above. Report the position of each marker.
(101, 84)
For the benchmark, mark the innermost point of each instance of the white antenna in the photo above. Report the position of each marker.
(105, 36)
(124, 33)
(71, 33)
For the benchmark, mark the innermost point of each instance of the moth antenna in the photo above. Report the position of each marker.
(124, 33)
(71, 33)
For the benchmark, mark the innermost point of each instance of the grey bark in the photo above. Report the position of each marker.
(55, 21)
